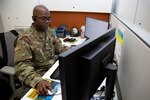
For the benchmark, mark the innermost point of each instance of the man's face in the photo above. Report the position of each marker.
(42, 19)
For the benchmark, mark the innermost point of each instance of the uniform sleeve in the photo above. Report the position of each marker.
(59, 48)
(23, 65)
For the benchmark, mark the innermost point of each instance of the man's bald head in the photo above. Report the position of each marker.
(39, 9)
(41, 17)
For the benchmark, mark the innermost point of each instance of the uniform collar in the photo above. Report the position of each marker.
(37, 34)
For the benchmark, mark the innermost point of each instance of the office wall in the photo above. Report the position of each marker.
(135, 11)
(126, 9)
(75, 19)
(133, 63)
(132, 17)
(142, 16)
(101, 6)
(17, 13)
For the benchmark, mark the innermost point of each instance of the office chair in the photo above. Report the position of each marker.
(7, 54)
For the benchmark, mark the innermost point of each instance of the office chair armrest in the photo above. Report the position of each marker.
(8, 70)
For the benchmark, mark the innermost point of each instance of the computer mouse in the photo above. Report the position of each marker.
(50, 93)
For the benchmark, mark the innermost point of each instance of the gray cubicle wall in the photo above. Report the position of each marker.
(135, 11)
(134, 62)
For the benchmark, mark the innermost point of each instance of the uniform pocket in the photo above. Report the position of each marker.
(39, 56)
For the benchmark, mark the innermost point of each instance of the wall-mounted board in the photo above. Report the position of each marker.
(102, 6)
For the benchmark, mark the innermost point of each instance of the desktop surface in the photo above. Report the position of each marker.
(30, 95)
(72, 41)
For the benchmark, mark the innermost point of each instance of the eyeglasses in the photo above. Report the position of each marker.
(44, 18)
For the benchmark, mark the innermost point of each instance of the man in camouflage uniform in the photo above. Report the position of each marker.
(35, 51)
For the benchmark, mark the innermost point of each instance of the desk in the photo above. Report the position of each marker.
(47, 76)
(52, 69)
(78, 41)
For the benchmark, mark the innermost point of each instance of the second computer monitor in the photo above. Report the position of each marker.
(94, 27)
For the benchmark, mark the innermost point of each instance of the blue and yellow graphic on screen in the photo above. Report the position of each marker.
(120, 36)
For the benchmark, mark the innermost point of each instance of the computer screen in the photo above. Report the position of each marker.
(81, 67)
(94, 27)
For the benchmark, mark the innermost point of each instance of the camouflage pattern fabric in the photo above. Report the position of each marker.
(34, 55)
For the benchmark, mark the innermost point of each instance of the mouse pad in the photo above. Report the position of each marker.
(55, 86)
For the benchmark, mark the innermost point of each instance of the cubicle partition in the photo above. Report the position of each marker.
(133, 59)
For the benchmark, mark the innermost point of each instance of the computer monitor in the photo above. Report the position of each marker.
(81, 68)
(94, 27)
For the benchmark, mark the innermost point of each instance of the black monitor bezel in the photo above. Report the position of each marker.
(65, 68)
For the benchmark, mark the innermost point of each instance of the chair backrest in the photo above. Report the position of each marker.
(3, 51)
(7, 46)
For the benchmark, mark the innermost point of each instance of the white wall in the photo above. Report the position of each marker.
(126, 9)
(132, 16)
(135, 11)
(133, 64)
(143, 14)
(79, 5)
(17, 13)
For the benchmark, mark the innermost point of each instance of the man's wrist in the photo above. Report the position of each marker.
(36, 82)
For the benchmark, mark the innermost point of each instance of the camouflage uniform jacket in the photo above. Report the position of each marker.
(34, 55)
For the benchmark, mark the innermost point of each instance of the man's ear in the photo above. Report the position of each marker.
(33, 18)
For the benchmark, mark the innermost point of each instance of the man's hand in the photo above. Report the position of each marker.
(43, 87)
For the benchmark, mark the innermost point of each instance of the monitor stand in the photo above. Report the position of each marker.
(111, 70)
(108, 90)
